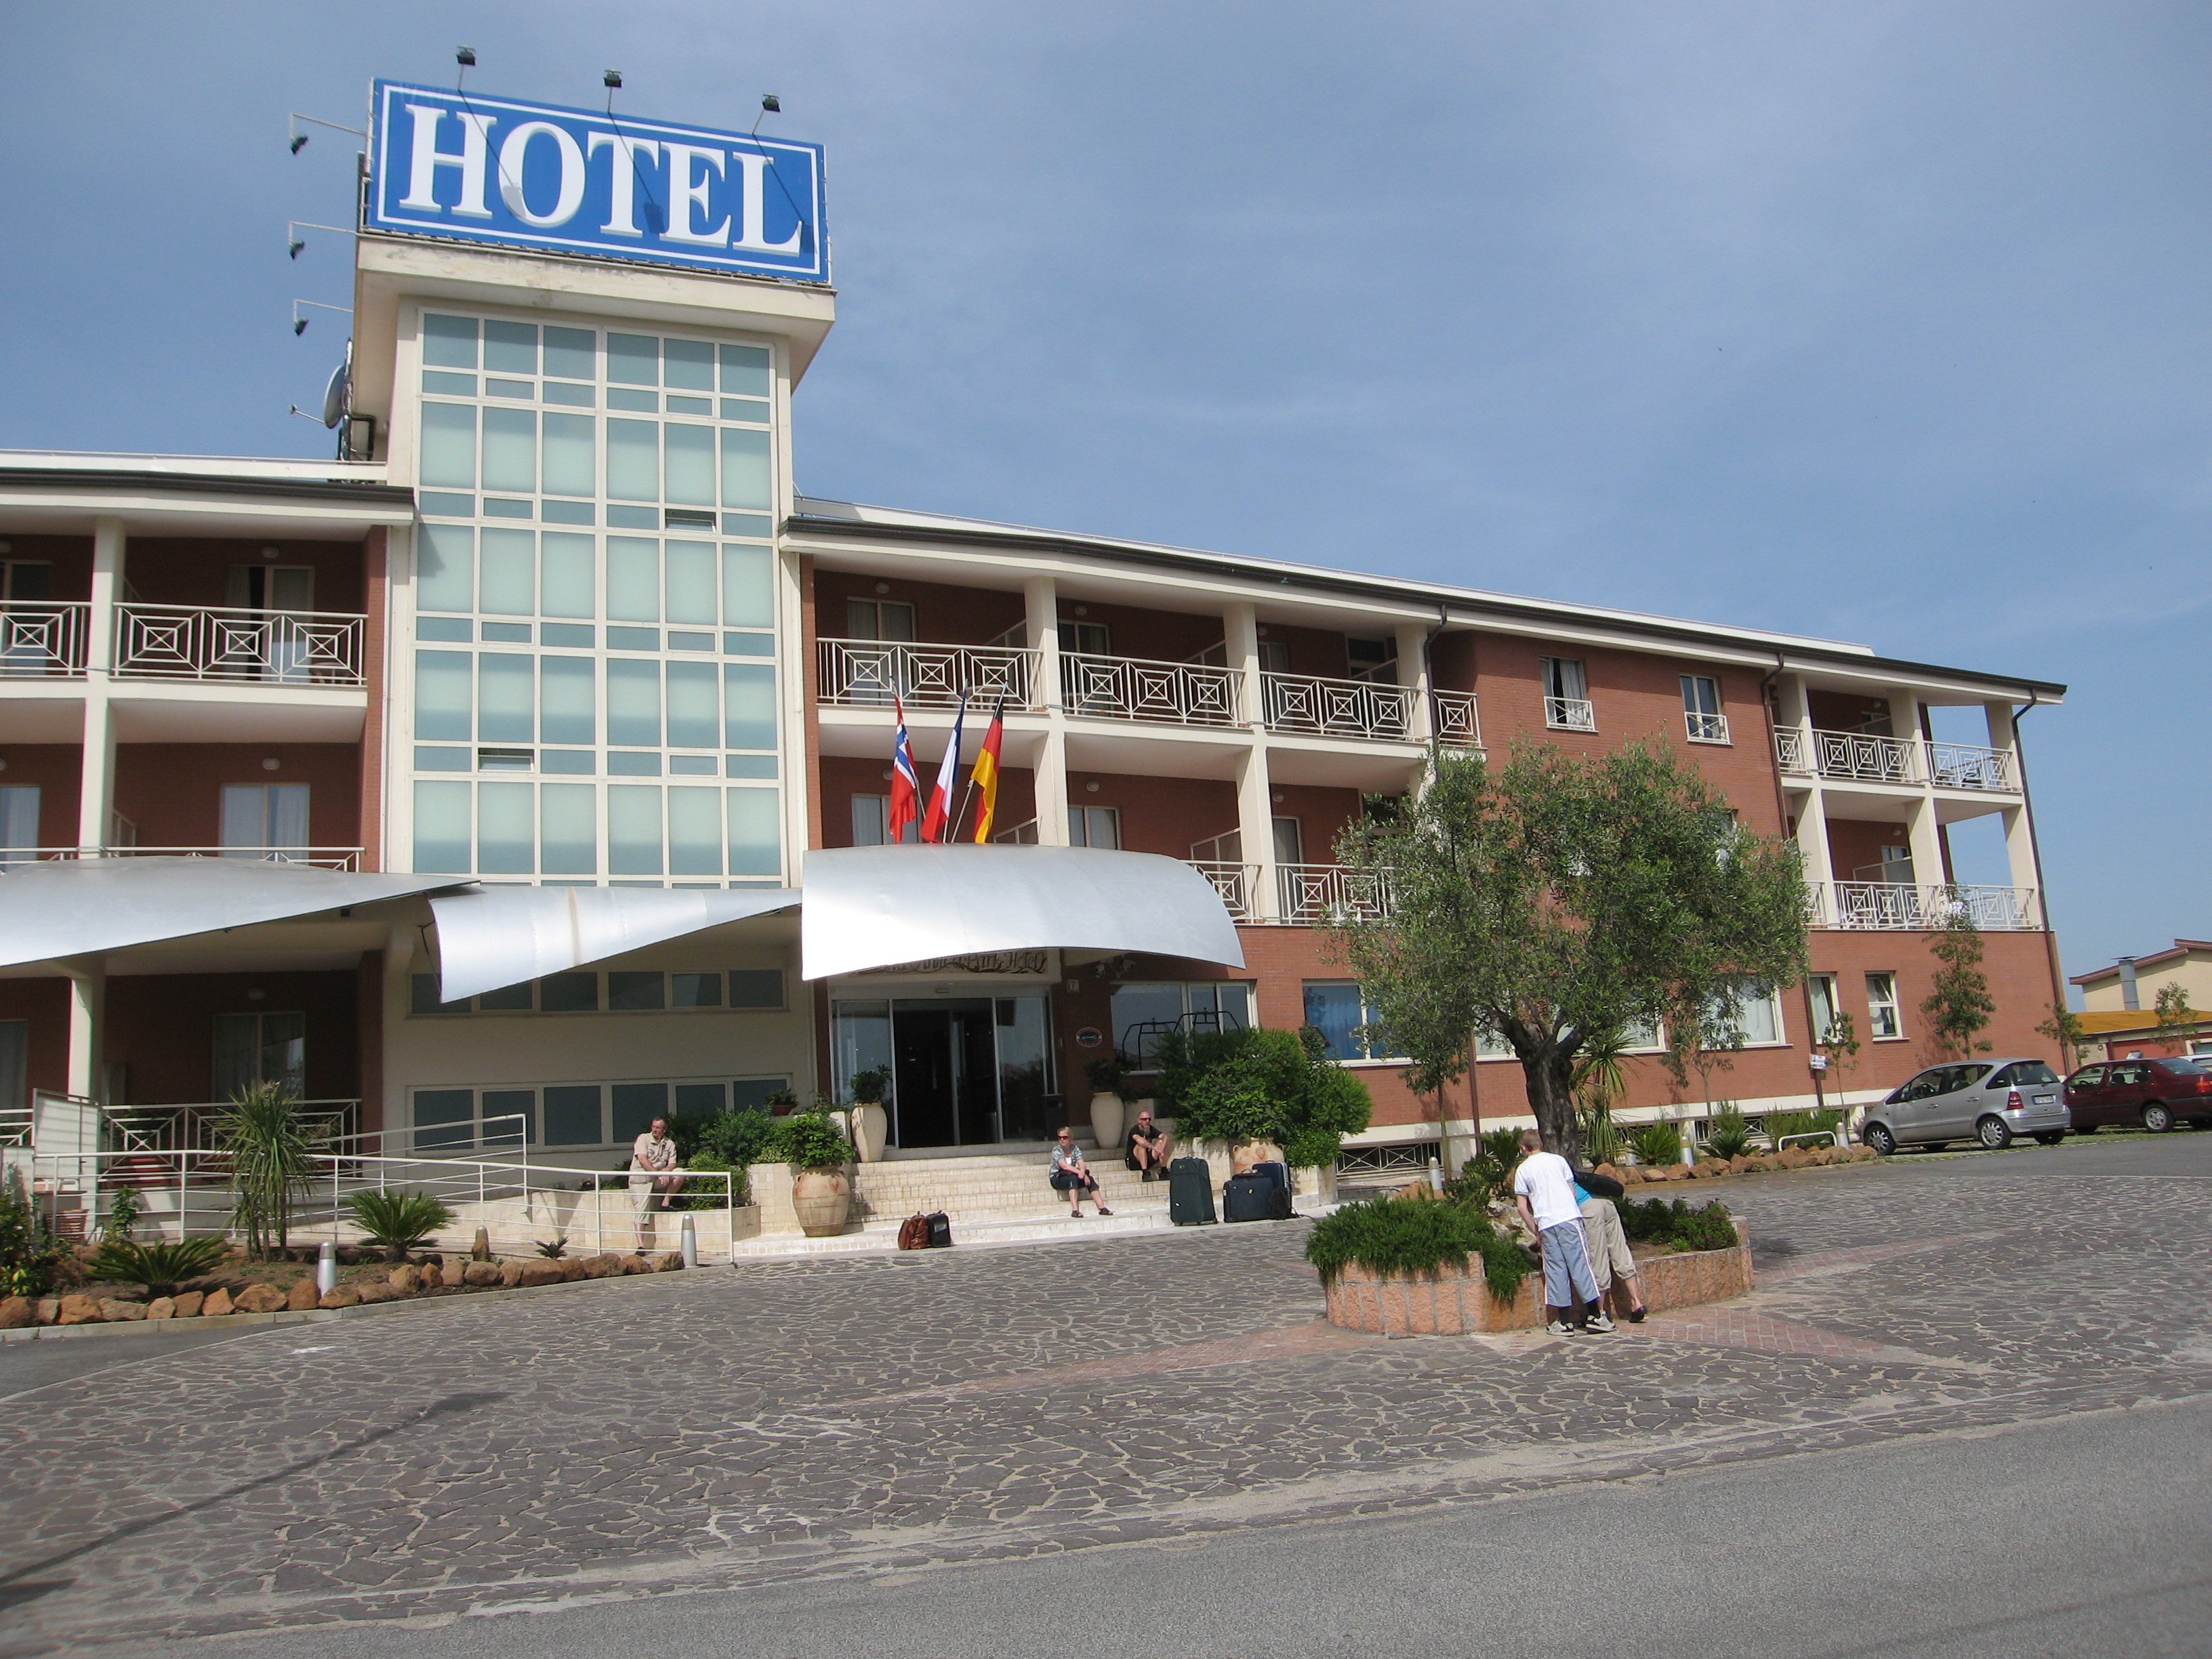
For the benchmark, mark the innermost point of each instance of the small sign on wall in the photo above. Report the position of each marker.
(1089, 1038)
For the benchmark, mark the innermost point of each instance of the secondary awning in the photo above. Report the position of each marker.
(501, 936)
(63, 907)
(875, 907)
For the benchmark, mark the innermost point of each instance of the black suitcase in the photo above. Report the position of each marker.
(1190, 1192)
(1253, 1197)
(1278, 1175)
(940, 1231)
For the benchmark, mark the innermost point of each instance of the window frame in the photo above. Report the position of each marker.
(1894, 1004)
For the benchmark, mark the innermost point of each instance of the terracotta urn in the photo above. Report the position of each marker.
(869, 1125)
(1106, 1112)
(1245, 1154)
(822, 1199)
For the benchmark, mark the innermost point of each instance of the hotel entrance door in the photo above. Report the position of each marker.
(964, 1071)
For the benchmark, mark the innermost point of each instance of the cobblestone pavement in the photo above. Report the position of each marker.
(714, 1429)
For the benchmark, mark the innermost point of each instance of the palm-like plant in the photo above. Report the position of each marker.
(399, 1221)
(271, 1149)
(160, 1267)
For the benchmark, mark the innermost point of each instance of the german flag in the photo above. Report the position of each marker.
(983, 776)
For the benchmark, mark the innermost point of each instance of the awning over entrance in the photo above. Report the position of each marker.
(63, 908)
(875, 907)
(498, 936)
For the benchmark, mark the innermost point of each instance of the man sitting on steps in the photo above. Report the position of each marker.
(1149, 1147)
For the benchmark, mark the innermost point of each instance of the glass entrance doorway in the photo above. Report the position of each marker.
(964, 1071)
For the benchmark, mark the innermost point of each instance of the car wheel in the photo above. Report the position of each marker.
(1877, 1135)
(2050, 1137)
(1993, 1134)
(2158, 1117)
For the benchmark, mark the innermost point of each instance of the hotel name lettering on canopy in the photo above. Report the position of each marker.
(555, 180)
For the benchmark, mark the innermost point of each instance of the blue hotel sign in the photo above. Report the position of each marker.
(555, 180)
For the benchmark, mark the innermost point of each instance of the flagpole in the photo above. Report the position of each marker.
(967, 799)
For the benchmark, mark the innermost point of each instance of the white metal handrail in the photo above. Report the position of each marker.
(1335, 709)
(1969, 766)
(190, 1125)
(1571, 713)
(322, 857)
(41, 637)
(1902, 907)
(1455, 718)
(199, 642)
(1137, 688)
(866, 672)
(1310, 894)
(1235, 882)
(1870, 757)
(1705, 728)
(1790, 753)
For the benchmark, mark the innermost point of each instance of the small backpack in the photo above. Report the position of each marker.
(914, 1233)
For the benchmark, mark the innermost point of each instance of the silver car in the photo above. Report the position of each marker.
(1987, 1100)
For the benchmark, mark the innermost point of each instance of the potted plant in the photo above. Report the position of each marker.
(818, 1151)
(870, 1121)
(1106, 1076)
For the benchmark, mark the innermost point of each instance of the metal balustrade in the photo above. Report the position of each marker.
(1137, 688)
(1969, 766)
(1898, 906)
(39, 638)
(194, 643)
(1235, 882)
(866, 672)
(1571, 713)
(1335, 709)
(1455, 718)
(1705, 728)
(1311, 895)
(1869, 757)
(322, 857)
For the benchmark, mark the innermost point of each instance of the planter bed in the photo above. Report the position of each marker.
(1710, 1168)
(1457, 1302)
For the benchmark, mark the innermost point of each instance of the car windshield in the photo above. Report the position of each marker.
(2024, 1074)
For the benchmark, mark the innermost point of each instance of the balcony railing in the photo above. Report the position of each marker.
(1705, 728)
(1969, 766)
(866, 673)
(191, 642)
(1336, 708)
(40, 639)
(1896, 906)
(1235, 882)
(1136, 689)
(1869, 757)
(1571, 713)
(321, 857)
(1316, 895)
(1456, 717)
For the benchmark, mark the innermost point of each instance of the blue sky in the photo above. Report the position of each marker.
(1881, 322)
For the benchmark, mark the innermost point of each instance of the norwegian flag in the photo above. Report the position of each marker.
(906, 787)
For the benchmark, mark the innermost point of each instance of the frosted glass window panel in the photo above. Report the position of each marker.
(694, 832)
(510, 450)
(565, 699)
(748, 593)
(633, 579)
(691, 573)
(570, 467)
(449, 342)
(444, 567)
(569, 829)
(688, 365)
(505, 707)
(441, 828)
(510, 347)
(748, 705)
(744, 469)
(691, 464)
(633, 460)
(756, 836)
(286, 821)
(18, 818)
(508, 584)
(634, 359)
(507, 839)
(572, 353)
(633, 702)
(745, 371)
(449, 446)
(441, 698)
(694, 718)
(871, 818)
(634, 829)
(565, 589)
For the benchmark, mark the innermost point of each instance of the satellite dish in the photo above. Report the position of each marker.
(335, 395)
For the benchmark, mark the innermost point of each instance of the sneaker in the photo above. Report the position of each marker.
(1560, 1327)
(1600, 1324)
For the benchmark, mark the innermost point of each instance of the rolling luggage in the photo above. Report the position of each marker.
(1253, 1197)
(940, 1231)
(1190, 1192)
(1279, 1177)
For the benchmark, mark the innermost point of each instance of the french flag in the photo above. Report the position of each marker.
(906, 787)
(937, 819)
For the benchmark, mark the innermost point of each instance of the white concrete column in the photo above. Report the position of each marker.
(88, 1022)
(2003, 739)
(1240, 635)
(2020, 855)
(96, 782)
(1041, 600)
(1813, 848)
(1255, 828)
(1904, 724)
(1923, 836)
(1413, 673)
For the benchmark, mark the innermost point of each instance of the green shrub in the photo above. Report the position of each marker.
(1479, 1180)
(160, 1267)
(1261, 1083)
(1779, 1124)
(1415, 1236)
(1502, 1147)
(1657, 1143)
(553, 1249)
(1729, 1135)
(737, 1137)
(123, 1212)
(807, 1140)
(868, 1088)
(399, 1221)
(271, 1150)
(1106, 1074)
(1600, 1136)
(1686, 1227)
(30, 1256)
(711, 1195)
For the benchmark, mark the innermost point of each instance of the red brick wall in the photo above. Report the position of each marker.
(1854, 844)
(166, 571)
(71, 558)
(1845, 711)
(162, 1026)
(44, 1003)
(943, 615)
(174, 791)
(1321, 814)
(1159, 636)
(368, 1037)
(1318, 652)
(1159, 815)
(57, 770)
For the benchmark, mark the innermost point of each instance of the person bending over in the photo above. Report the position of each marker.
(1149, 1147)
(1072, 1175)
(1544, 1193)
(1611, 1260)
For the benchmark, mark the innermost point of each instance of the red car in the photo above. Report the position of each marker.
(2154, 1093)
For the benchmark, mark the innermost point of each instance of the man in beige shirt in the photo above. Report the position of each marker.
(654, 1175)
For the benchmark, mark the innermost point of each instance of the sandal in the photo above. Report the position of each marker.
(1103, 1210)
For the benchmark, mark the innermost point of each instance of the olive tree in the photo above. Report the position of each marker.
(1560, 900)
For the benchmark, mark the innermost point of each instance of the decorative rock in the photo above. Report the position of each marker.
(480, 1250)
(405, 1280)
(189, 1303)
(510, 1274)
(572, 1268)
(161, 1307)
(47, 1311)
(79, 1311)
(431, 1276)
(339, 1296)
(302, 1296)
(484, 1272)
(375, 1289)
(607, 1266)
(541, 1272)
(117, 1311)
(217, 1304)
(636, 1264)
(261, 1298)
(15, 1312)
(668, 1261)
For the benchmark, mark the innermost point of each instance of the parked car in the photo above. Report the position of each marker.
(2155, 1093)
(1988, 1101)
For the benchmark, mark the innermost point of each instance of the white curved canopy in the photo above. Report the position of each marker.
(63, 907)
(874, 907)
(501, 936)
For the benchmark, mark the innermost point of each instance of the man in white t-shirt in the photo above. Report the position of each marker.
(1544, 1193)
